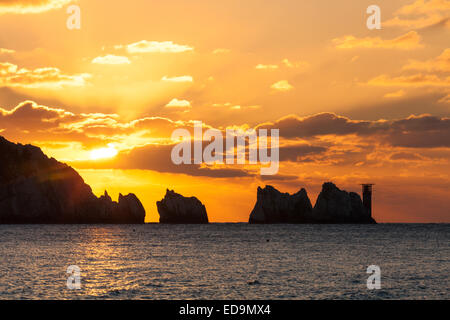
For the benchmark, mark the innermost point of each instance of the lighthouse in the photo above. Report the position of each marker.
(367, 197)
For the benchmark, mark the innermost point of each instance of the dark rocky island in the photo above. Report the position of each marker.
(338, 206)
(272, 206)
(37, 189)
(175, 208)
(332, 206)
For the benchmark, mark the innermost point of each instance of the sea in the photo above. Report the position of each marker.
(225, 261)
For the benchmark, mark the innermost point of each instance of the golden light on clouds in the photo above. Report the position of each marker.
(396, 94)
(176, 103)
(416, 80)
(408, 41)
(221, 50)
(48, 77)
(178, 79)
(266, 66)
(420, 14)
(295, 64)
(438, 64)
(282, 85)
(145, 46)
(111, 59)
(6, 51)
(30, 6)
(104, 153)
(445, 99)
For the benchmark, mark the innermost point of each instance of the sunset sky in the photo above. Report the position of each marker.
(353, 105)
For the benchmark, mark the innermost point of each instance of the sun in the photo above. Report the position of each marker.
(104, 153)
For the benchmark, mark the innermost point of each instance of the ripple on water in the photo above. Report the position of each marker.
(224, 261)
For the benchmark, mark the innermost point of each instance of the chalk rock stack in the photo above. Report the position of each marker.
(175, 208)
(332, 206)
(272, 206)
(338, 206)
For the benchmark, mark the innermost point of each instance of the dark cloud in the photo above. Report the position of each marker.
(324, 139)
(278, 177)
(399, 108)
(30, 116)
(29, 122)
(424, 131)
(406, 156)
(297, 152)
(157, 158)
(317, 125)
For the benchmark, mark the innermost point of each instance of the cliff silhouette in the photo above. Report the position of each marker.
(37, 189)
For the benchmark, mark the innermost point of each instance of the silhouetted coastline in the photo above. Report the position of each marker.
(35, 189)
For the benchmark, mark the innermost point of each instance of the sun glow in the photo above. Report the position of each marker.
(104, 153)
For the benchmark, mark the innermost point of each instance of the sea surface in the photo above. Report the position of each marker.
(225, 261)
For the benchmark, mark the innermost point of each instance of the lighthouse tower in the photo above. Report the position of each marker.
(367, 196)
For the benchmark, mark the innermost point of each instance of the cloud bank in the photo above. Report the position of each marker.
(30, 6)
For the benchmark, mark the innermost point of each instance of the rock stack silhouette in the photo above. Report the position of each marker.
(332, 206)
(175, 208)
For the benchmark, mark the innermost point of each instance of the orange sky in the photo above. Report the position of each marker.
(353, 105)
